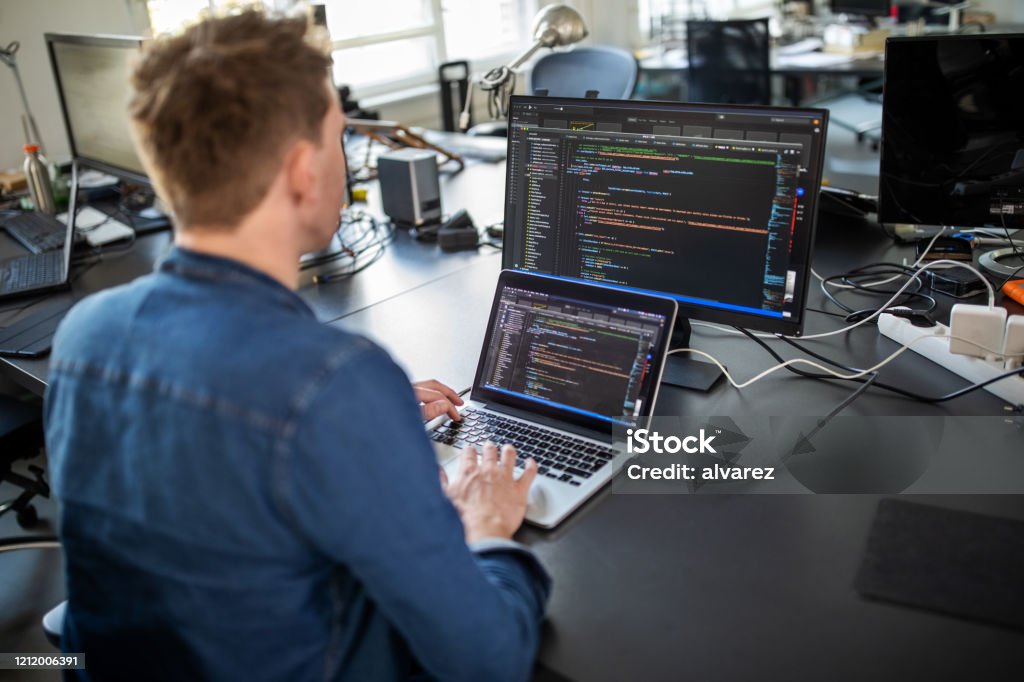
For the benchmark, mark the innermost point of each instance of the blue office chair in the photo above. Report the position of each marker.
(606, 72)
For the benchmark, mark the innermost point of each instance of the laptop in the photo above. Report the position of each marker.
(37, 273)
(562, 364)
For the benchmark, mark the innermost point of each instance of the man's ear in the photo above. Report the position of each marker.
(299, 172)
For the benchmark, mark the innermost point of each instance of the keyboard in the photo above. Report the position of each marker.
(559, 456)
(37, 232)
(31, 272)
(32, 336)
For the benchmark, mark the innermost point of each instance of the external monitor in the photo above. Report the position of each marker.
(713, 205)
(953, 131)
(92, 76)
(864, 8)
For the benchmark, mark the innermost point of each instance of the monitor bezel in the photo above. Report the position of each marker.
(791, 326)
(97, 40)
(598, 295)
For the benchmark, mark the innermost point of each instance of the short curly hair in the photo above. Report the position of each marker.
(215, 108)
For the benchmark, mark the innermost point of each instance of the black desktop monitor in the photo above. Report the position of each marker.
(864, 8)
(92, 76)
(713, 205)
(953, 131)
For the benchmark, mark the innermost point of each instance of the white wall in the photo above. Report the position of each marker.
(26, 21)
(1006, 11)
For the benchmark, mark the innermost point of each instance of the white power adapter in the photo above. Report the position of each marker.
(1013, 346)
(976, 330)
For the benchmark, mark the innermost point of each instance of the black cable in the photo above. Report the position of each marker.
(1013, 245)
(858, 392)
(1009, 277)
(844, 403)
(378, 245)
(873, 270)
(373, 236)
(824, 312)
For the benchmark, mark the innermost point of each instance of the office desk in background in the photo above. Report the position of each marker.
(665, 76)
(679, 587)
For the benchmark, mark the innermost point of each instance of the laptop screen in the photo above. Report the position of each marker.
(580, 353)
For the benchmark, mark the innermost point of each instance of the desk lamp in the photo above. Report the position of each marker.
(953, 9)
(7, 56)
(553, 26)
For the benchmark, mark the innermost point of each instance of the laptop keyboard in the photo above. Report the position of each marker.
(559, 456)
(31, 272)
(37, 232)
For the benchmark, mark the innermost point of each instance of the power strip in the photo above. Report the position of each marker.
(936, 349)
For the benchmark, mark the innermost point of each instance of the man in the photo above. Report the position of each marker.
(246, 493)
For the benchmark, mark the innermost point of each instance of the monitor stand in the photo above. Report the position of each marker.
(683, 369)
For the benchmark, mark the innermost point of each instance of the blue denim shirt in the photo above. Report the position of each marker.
(246, 494)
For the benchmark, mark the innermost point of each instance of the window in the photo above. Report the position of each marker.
(382, 46)
(167, 16)
(388, 45)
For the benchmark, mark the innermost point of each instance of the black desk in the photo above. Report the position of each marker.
(715, 587)
(725, 587)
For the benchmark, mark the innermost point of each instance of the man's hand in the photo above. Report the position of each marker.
(491, 502)
(436, 399)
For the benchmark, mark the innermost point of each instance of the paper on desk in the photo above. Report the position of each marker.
(98, 227)
(92, 179)
(812, 59)
(800, 47)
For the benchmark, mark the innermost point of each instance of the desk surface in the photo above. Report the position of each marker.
(666, 587)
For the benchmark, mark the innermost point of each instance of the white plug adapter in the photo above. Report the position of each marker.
(976, 330)
(1013, 345)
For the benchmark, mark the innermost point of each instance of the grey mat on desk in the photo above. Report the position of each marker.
(958, 563)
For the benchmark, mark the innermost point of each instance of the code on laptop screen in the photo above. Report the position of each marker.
(588, 358)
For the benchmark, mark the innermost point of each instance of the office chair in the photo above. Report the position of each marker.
(606, 72)
(21, 437)
(729, 61)
(53, 620)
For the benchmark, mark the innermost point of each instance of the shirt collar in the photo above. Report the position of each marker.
(202, 266)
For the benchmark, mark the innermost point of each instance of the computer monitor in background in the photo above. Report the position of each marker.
(713, 205)
(864, 8)
(92, 76)
(953, 131)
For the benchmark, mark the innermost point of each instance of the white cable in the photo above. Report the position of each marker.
(870, 370)
(933, 264)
